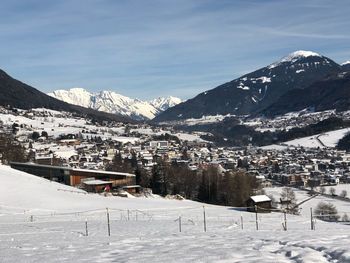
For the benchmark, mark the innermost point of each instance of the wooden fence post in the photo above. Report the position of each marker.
(180, 224)
(108, 224)
(256, 218)
(86, 228)
(204, 220)
(285, 221)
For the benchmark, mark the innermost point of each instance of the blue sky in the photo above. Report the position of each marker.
(151, 48)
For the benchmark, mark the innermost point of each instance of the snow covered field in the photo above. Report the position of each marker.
(57, 125)
(42, 221)
(328, 139)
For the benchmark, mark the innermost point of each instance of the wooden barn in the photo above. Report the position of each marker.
(263, 204)
(96, 186)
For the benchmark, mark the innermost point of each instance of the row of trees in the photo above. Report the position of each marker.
(208, 185)
(332, 191)
(344, 143)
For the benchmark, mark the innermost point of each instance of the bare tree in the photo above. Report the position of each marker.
(288, 200)
(343, 193)
(345, 218)
(322, 190)
(332, 191)
(326, 212)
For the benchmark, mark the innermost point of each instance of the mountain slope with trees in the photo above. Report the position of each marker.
(16, 94)
(257, 90)
(330, 93)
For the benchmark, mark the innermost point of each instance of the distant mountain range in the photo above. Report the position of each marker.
(303, 79)
(17, 94)
(111, 102)
(257, 91)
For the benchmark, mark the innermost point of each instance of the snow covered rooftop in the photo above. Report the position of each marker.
(72, 169)
(103, 172)
(260, 198)
(96, 182)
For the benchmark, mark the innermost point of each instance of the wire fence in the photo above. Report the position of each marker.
(181, 219)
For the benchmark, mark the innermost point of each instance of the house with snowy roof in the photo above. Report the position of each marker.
(259, 203)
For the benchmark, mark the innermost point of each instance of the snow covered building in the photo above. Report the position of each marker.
(262, 203)
(73, 176)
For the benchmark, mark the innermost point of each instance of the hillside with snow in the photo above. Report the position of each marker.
(257, 90)
(328, 139)
(112, 102)
(43, 221)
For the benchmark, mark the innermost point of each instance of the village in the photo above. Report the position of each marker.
(84, 150)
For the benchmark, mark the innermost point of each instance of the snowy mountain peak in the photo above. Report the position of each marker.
(165, 103)
(77, 96)
(295, 56)
(345, 63)
(300, 54)
(112, 102)
(77, 89)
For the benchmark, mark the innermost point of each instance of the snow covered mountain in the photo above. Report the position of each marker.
(345, 65)
(257, 90)
(330, 93)
(17, 94)
(165, 103)
(112, 102)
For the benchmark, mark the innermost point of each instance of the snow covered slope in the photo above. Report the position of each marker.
(21, 191)
(112, 102)
(327, 139)
(43, 221)
(253, 92)
(163, 104)
(295, 56)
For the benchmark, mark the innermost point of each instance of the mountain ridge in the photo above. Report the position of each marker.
(17, 94)
(330, 93)
(112, 102)
(257, 90)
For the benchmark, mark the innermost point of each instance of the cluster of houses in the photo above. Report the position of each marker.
(300, 167)
(293, 120)
(74, 145)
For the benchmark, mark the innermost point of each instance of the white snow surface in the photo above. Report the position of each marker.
(345, 63)
(56, 126)
(295, 56)
(264, 79)
(260, 198)
(163, 104)
(43, 221)
(113, 102)
(327, 139)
